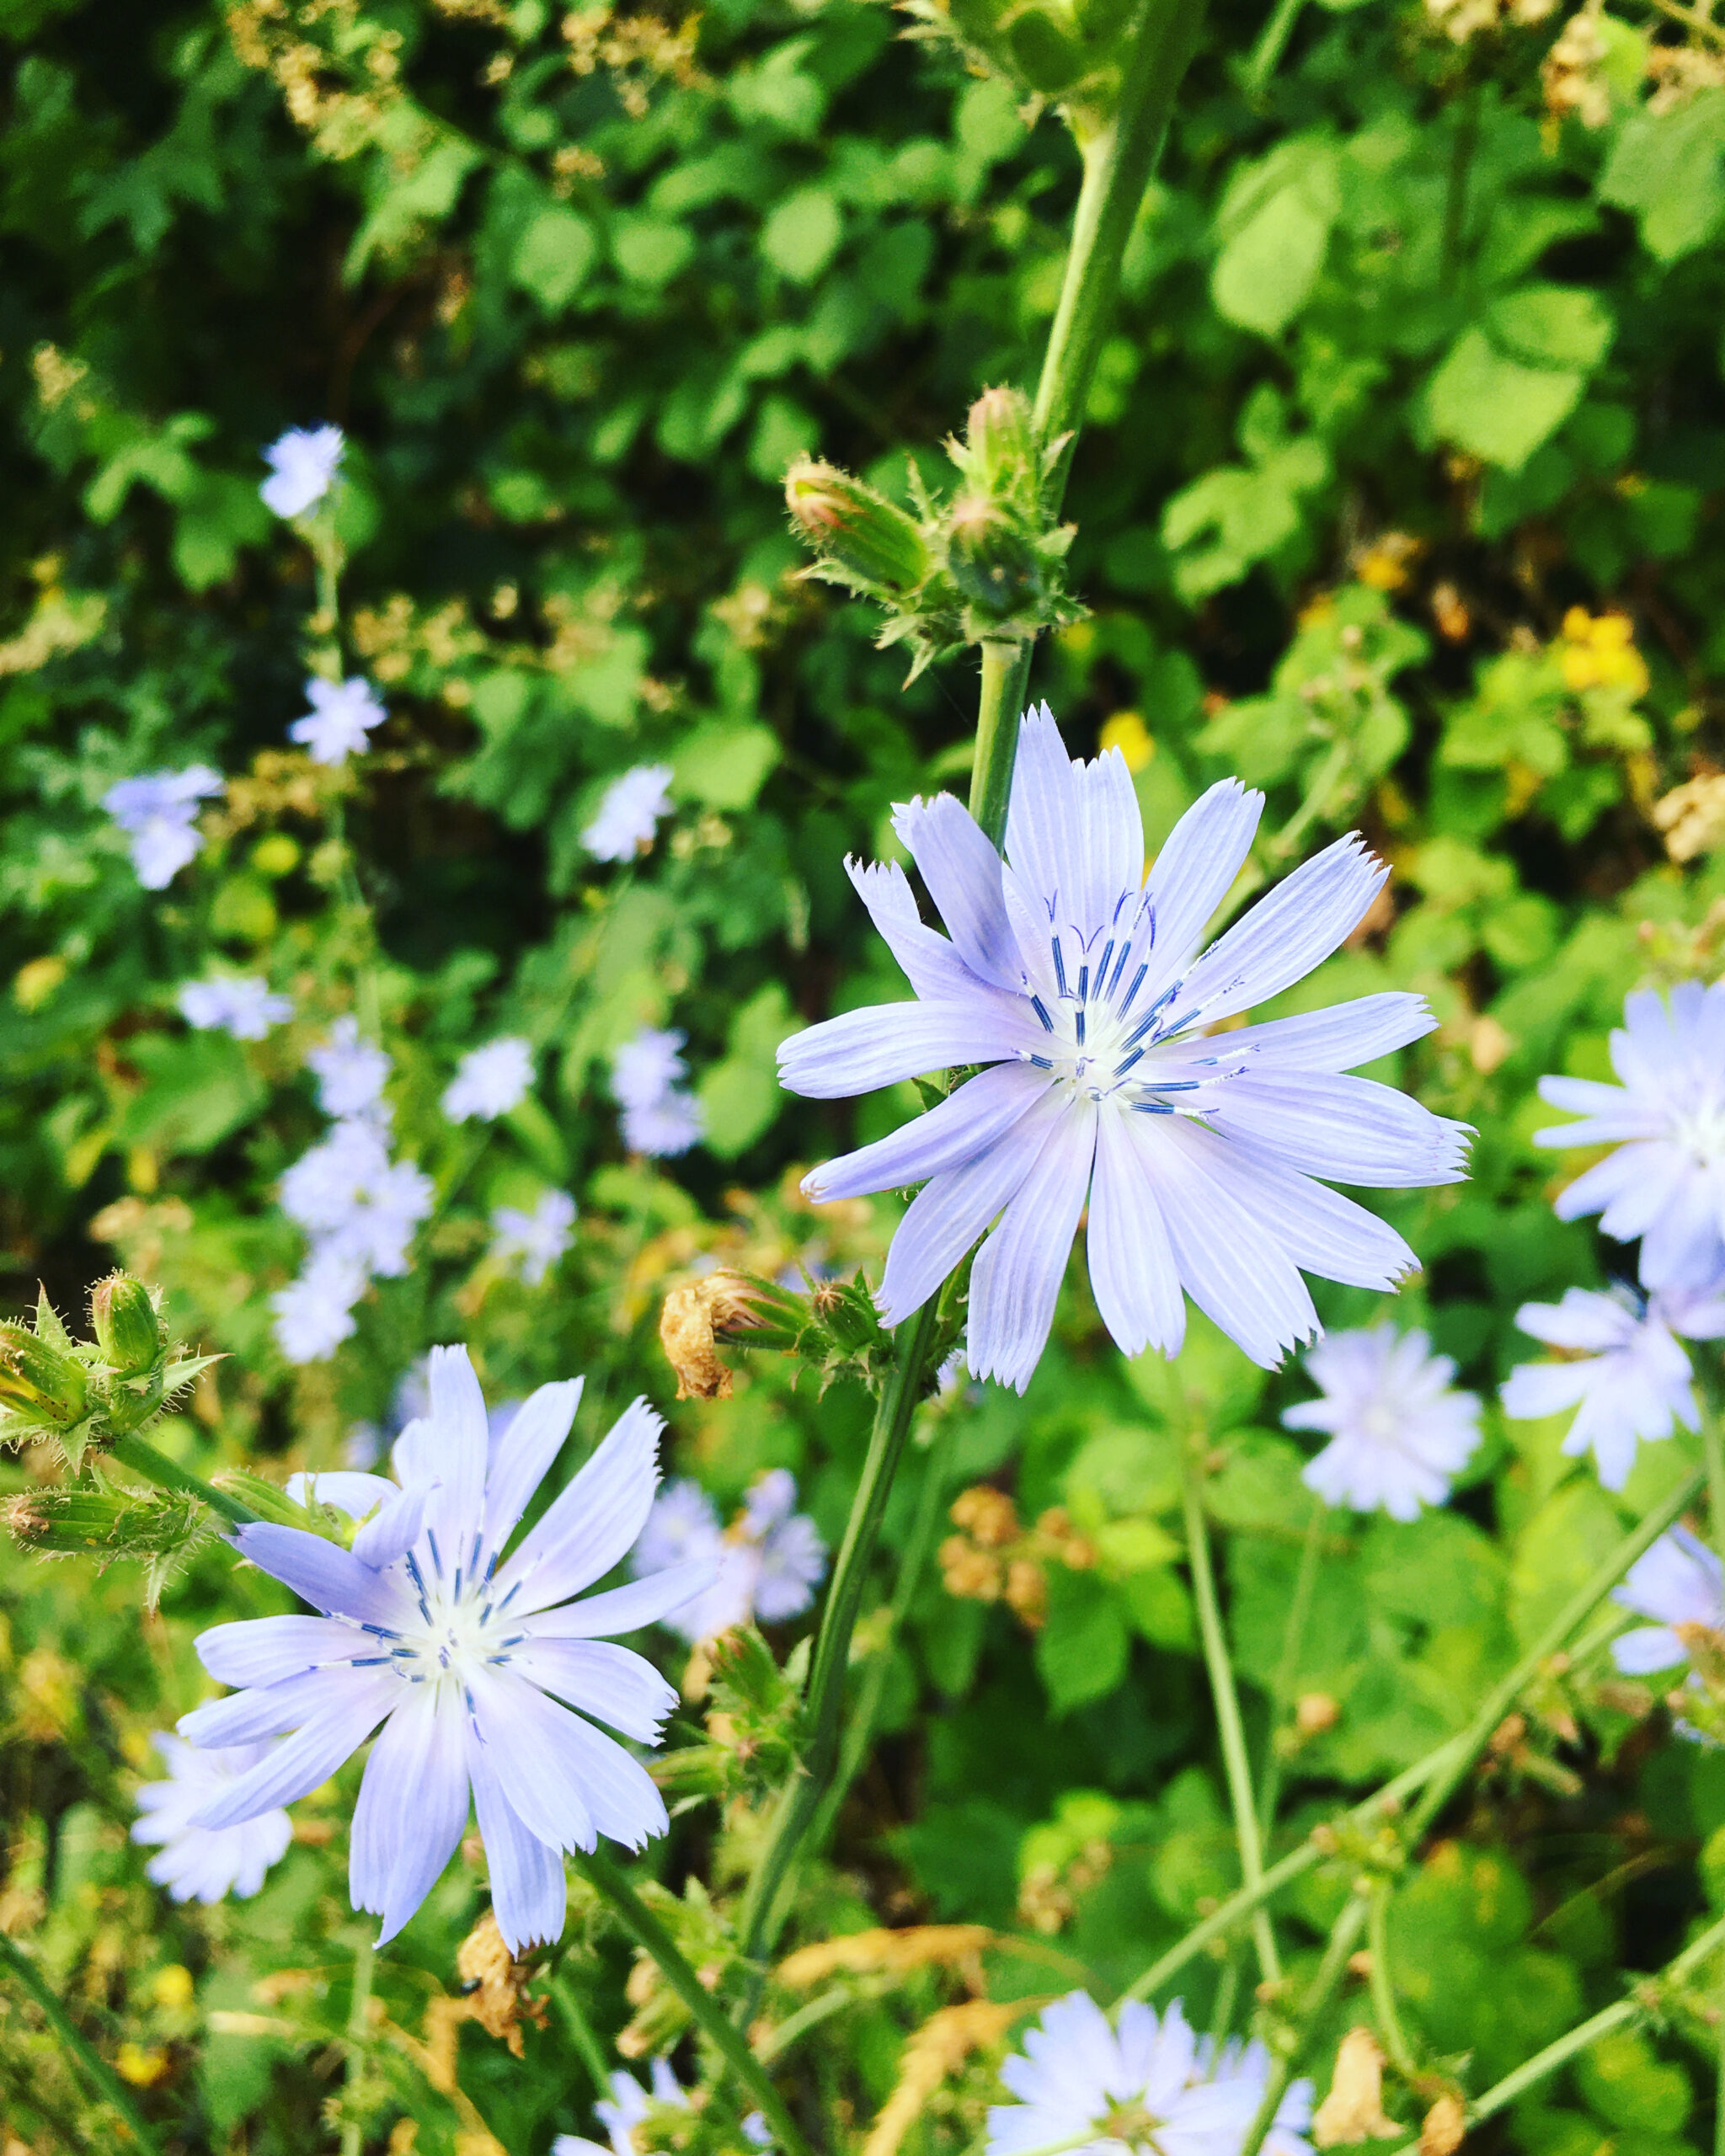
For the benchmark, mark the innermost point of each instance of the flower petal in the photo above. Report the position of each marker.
(330, 1578)
(1075, 835)
(395, 1528)
(961, 1127)
(268, 1710)
(925, 958)
(535, 1434)
(1132, 1271)
(1289, 932)
(1321, 1231)
(347, 1491)
(1339, 1038)
(411, 1809)
(265, 1650)
(963, 873)
(312, 1755)
(623, 1609)
(1015, 1280)
(950, 1212)
(591, 1523)
(611, 1683)
(563, 1777)
(862, 1050)
(1196, 867)
(1345, 1130)
(528, 1892)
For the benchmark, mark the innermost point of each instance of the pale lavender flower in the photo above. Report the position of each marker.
(1665, 1181)
(314, 1314)
(158, 812)
(351, 1070)
(241, 1005)
(1146, 2087)
(657, 1119)
(1677, 1584)
(1630, 1382)
(628, 2105)
(628, 815)
(1397, 1431)
(303, 465)
(205, 1863)
(1075, 979)
(457, 1649)
(768, 1564)
(533, 1242)
(349, 1194)
(341, 716)
(489, 1081)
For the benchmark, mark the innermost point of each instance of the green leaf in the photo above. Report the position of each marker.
(651, 252)
(1278, 236)
(1551, 325)
(1495, 407)
(553, 256)
(724, 766)
(1666, 167)
(803, 234)
(741, 1096)
(1080, 1651)
(197, 1090)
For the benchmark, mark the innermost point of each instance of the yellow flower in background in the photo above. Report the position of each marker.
(1599, 653)
(1127, 732)
(142, 2068)
(1385, 564)
(172, 1987)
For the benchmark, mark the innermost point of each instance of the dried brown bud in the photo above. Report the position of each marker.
(988, 1516)
(969, 1572)
(1314, 1712)
(1027, 1591)
(1445, 2124)
(1353, 2109)
(685, 1331)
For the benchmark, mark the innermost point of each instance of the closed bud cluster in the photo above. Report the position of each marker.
(83, 1392)
(1068, 51)
(40, 1383)
(984, 567)
(835, 1326)
(754, 1723)
(994, 1558)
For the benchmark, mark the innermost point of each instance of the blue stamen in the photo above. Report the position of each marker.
(1078, 1024)
(1179, 1025)
(1152, 1108)
(1174, 1084)
(1102, 970)
(436, 1558)
(1137, 983)
(1041, 1062)
(1084, 983)
(370, 1661)
(1060, 966)
(1037, 1005)
(1121, 1068)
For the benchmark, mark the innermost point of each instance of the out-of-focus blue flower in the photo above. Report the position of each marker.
(158, 812)
(241, 1005)
(1149, 2085)
(767, 1563)
(488, 1081)
(1076, 980)
(205, 1863)
(314, 1313)
(1629, 1381)
(628, 815)
(303, 466)
(623, 2110)
(533, 1242)
(341, 718)
(1665, 1181)
(657, 1119)
(349, 1194)
(351, 1070)
(1676, 1583)
(1397, 1431)
(457, 1649)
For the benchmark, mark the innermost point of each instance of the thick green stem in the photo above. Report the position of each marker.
(1119, 159)
(101, 2076)
(1344, 1933)
(1267, 53)
(580, 2033)
(709, 2016)
(911, 1565)
(1236, 1766)
(143, 1459)
(763, 1911)
(1441, 1772)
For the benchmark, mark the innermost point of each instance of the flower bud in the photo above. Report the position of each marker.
(127, 1328)
(853, 525)
(39, 1383)
(990, 559)
(1049, 60)
(1001, 443)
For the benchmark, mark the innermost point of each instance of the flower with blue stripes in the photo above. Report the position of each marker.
(461, 1647)
(1083, 986)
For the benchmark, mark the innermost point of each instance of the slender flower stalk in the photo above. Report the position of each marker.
(1288, 1666)
(1228, 1723)
(95, 2068)
(728, 2041)
(1436, 1777)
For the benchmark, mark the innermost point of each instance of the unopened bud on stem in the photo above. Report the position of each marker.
(854, 526)
(40, 1383)
(127, 1328)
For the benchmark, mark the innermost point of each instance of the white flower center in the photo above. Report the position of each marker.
(458, 1627)
(1104, 1032)
(1699, 1126)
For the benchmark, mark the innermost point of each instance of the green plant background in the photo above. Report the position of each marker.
(1406, 368)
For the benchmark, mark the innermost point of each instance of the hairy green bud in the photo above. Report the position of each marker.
(855, 527)
(127, 1328)
(999, 454)
(990, 560)
(40, 1383)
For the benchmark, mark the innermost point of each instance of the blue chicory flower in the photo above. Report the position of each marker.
(1397, 1430)
(303, 466)
(489, 1081)
(241, 1005)
(158, 812)
(628, 815)
(340, 721)
(205, 1863)
(457, 1648)
(1076, 979)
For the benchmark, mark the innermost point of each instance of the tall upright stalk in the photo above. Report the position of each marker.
(1235, 1763)
(107, 2084)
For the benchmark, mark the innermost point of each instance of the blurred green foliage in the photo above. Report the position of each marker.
(1398, 495)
